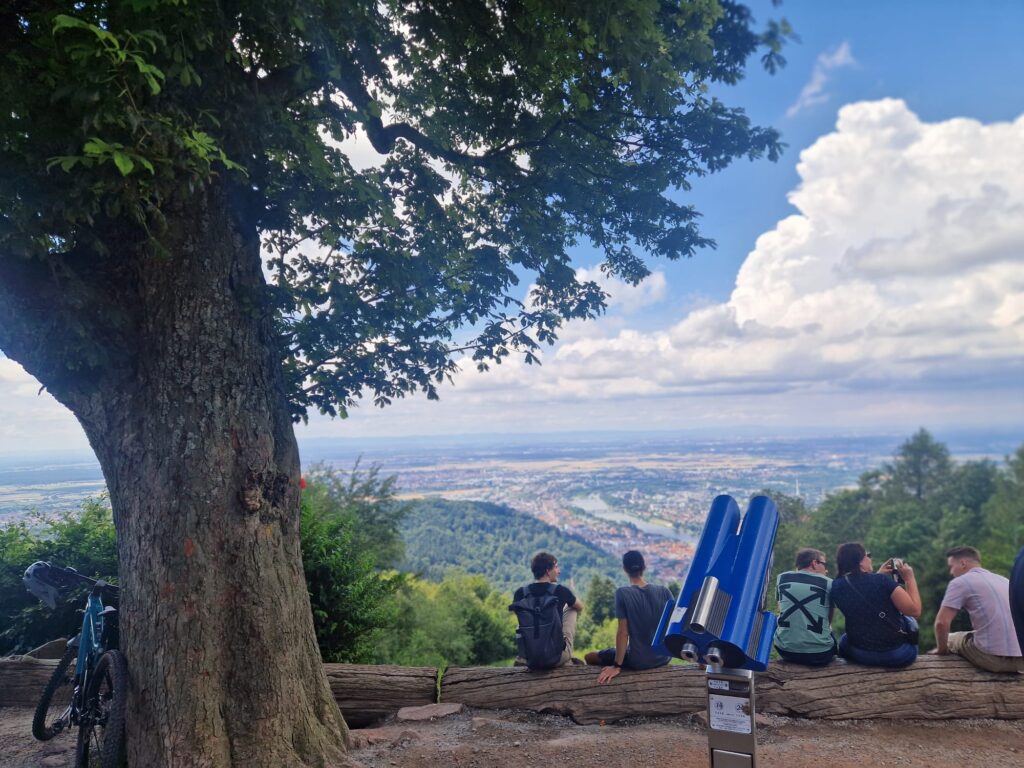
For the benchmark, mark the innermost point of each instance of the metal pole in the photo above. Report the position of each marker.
(732, 731)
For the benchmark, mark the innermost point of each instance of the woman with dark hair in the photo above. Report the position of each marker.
(881, 630)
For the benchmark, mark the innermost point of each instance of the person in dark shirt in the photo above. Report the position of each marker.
(876, 609)
(1017, 596)
(638, 609)
(546, 571)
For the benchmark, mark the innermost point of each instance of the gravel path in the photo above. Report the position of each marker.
(489, 739)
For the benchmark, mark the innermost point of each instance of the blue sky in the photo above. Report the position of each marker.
(871, 280)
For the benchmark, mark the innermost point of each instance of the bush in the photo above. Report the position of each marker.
(350, 599)
(349, 525)
(462, 620)
(84, 539)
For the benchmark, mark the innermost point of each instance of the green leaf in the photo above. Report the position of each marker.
(63, 21)
(123, 162)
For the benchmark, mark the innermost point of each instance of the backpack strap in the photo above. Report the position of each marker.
(883, 615)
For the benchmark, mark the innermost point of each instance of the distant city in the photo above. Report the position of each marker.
(646, 491)
(618, 491)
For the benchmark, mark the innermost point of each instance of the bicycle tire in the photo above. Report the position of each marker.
(101, 730)
(56, 697)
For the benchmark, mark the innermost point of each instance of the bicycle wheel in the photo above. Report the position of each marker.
(101, 730)
(53, 713)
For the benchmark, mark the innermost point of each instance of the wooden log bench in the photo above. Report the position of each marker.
(933, 688)
(364, 692)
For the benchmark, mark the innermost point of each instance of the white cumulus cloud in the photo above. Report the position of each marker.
(903, 270)
(30, 418)
(623, 296)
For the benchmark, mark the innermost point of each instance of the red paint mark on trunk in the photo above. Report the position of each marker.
(189, 547)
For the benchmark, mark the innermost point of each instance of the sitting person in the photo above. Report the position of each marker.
(805, 611)
(551, 609)
(638, 609)
(992, 643)
(881, 626)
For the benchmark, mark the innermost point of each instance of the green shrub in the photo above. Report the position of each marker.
(84, 539)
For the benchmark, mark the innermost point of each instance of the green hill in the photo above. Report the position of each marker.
(496, 541)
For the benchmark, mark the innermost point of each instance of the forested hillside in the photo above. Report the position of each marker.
(494, 541)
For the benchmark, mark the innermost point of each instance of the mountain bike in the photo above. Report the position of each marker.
(92, 696)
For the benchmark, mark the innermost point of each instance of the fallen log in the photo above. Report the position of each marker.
(574, 691)
(368, 692)
(364, 692)
(933, 688)
(22, 679)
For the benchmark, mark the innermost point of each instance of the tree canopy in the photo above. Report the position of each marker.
(190, 258)
(509, 132)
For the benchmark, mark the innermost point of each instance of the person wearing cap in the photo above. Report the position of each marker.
(992, 643)
(804, 596)
(638, 609)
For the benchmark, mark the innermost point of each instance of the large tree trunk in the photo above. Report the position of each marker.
(196, 443)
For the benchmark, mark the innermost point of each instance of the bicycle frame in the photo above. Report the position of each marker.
(90, 646)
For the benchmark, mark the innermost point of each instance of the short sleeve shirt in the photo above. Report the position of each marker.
(872, 621)
(804, 602)
(642, 607)
(538, 588)
(986, 598)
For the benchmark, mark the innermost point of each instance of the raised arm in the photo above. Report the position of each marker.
(908, 600)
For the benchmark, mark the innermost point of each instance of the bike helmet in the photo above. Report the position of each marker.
(42, 582)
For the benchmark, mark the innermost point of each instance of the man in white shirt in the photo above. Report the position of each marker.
(992, 644)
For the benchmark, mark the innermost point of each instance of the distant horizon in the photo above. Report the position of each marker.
(964, 440)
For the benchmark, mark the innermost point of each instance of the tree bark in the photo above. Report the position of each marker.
(195, 439)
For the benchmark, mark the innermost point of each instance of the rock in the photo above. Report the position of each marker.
(361, 739)
(428, 712)
(51, 650)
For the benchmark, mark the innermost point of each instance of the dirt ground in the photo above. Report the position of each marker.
(483, 738)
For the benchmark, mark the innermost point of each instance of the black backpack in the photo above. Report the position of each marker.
(539, 636)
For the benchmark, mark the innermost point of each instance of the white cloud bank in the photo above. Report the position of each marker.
(895, 293)
(815, 90)
(894, 296)
(31, 420)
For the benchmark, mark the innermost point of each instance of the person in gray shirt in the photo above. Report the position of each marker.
(638, 609)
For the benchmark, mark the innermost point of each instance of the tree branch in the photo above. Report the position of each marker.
(54, 324)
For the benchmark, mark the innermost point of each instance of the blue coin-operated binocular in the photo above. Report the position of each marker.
(719, 618)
